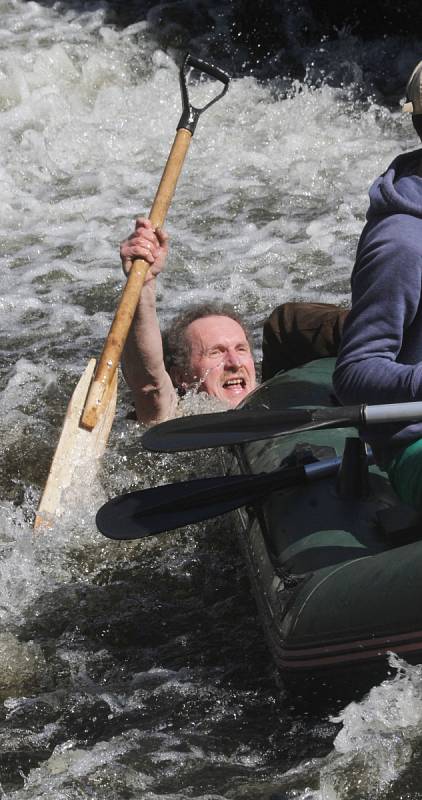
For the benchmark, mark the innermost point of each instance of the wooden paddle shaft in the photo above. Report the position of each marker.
(122, 321)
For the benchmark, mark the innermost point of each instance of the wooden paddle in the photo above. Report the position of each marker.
(91, 410)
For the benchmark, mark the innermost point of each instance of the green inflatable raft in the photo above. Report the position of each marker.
(334, 559)
(336, 564)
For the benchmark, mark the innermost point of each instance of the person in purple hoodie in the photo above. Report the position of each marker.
(380, 359)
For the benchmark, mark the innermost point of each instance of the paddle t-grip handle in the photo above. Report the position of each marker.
(126, 308)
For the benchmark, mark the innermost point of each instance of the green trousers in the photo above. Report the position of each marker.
(405, 473)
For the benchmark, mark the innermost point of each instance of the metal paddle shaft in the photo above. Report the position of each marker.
(164, 508)
(240, 426)
(116, 338)
(392, 412)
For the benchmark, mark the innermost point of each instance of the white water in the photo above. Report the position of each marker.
(269, 208)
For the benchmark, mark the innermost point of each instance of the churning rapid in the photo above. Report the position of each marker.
(139, 670)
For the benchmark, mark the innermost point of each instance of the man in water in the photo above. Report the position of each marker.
(207, 349)
(380, 360)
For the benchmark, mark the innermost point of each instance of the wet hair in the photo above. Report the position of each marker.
(417, 124)
(177, 350)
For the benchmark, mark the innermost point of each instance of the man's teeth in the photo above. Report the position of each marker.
(233, 382)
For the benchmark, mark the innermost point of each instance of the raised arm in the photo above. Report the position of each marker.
(142, 361)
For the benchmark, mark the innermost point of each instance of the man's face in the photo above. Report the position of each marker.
(221, 361)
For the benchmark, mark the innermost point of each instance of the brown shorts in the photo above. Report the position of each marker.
(296, 333)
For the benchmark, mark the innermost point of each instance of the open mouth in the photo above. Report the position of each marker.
(233, 383)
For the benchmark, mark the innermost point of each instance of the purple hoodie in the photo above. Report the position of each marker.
(380, 360)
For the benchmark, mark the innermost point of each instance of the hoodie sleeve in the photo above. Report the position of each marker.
(380, 359)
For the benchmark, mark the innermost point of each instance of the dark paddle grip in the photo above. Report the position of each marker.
(190, 113)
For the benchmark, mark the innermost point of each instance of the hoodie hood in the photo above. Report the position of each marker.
(398, 190)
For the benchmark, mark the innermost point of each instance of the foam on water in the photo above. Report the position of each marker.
(376, 743)
(265, 199)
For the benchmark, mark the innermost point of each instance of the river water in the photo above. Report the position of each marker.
(139, 670)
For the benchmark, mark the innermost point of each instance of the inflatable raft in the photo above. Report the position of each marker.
(336, 564)
(334, 559)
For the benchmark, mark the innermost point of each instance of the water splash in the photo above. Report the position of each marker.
(376, 741)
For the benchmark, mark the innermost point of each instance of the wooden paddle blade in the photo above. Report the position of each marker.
(77, 449)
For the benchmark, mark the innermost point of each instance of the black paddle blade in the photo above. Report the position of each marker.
(163, 508)
(151, 511)
(236, 427)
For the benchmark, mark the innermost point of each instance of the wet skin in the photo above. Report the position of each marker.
(221, 362)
